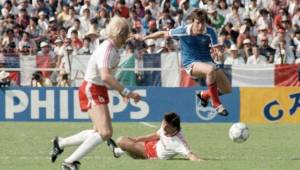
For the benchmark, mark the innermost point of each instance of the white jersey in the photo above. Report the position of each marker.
(104, 56)
(168, 147)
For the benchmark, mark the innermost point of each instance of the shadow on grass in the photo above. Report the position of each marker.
(178, 159)
(213, 159)
(295, 159)
(205, 159)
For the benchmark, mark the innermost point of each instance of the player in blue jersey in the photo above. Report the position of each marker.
(197, 42)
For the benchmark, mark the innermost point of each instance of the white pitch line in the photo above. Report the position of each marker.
(48, 157)
(148, 124)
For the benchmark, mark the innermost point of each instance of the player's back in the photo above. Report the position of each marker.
(167, 147)
(195, 47)
(104, 55)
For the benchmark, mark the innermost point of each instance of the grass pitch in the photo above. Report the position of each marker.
(26, 146)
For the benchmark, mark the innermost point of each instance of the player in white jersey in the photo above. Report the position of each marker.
(93, 94)
(165, 143)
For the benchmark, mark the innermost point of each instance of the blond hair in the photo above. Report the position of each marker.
(117, 29)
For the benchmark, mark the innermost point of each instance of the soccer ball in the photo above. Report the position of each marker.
(239, 132)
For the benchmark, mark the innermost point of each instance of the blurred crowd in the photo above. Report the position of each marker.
(249, 31)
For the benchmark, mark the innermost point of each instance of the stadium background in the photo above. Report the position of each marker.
(266, 97)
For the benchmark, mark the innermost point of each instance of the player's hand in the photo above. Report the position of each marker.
(125, 99)
(136, 97)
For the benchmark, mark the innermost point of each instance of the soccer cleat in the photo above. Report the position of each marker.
(222, 111)
(70, 166)
(56, 150)
(117, 152)
(203, 102)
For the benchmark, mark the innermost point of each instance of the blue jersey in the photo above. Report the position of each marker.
(195, 47)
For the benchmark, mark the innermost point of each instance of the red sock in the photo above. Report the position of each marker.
(205, 94)
(213, 93)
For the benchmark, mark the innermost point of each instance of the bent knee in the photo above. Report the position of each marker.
(211, 71)
(121, 141)
(106, 134)
(227, 90)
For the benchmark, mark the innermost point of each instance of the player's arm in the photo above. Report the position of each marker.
(152, 136)
(112, 82)
(184, 149)
(157, 35)
(193, 157)
(214, 42)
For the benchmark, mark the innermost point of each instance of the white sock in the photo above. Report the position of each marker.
(119, 151)
(88, 145)
(76, 139)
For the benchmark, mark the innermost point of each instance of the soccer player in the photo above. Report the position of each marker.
(165, 143)
(197, 40)
(93, 94)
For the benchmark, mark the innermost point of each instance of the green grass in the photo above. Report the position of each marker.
(26, 146)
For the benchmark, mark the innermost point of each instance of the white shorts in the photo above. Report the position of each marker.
(188, 69)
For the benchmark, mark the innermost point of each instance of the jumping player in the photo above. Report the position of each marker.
(165, 143)
(93, 96)
(197, 40)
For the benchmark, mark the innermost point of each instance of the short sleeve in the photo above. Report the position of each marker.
(213, 36)
(179, 31)
(104, 60)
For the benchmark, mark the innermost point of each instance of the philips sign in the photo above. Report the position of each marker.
(61, 104)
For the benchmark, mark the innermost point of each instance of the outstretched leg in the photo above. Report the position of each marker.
(60, 143)
(102, 122)
(76, 139)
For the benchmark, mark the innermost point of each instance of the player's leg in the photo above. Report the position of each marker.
(223, 82)
(224, 86)
(134, 149)
(60, 143)
(198, 70)
(100, 117)
(117, 152)
(201, 69)
(74, 140)
(203, 95)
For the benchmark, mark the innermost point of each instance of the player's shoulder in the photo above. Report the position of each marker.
(105, 44)
(210, 30)
(180, 134)
(181, 29)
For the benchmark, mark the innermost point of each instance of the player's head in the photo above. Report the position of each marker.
(200, 15)
(171, 123)
(118, 30)
(199, 18)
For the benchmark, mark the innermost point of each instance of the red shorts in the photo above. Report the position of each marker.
(91, 94)
(150, 149)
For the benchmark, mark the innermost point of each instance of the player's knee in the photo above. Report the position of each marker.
(211, 72)
(107, 134)
(227, 89)
(121, 141)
